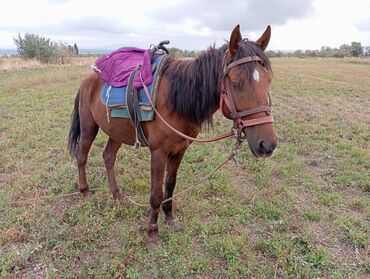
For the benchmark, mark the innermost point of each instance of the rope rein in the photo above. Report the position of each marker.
(130, 199)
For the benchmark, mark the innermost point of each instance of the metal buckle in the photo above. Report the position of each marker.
(238, 133)
(137, 144)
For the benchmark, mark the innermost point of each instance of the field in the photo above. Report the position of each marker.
(305, 213)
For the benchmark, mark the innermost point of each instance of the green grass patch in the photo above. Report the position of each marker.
(302, 214)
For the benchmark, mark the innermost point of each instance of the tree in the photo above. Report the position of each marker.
(356, 49)
(367, 51)
(345, 50)
(176, 52)
(65, 52)
(311, 53)
(76, 49)
(298, 53)
(33, 46)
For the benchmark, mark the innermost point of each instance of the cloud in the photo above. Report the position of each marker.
(220, 15)
(89, 26)
(364, 25)
(188, 24)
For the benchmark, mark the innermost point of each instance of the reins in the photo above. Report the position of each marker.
(215, 138)
(208, 176)
(227, 100)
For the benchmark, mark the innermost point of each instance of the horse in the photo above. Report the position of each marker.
(234, 78)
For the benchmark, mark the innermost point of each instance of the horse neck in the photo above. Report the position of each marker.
(195, 86)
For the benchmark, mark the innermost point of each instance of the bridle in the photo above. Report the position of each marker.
(227, 100)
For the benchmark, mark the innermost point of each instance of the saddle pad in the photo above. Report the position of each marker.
(115, 67)
(114, 98)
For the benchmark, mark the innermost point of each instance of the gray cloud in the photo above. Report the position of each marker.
(220, 15)
(81, 27)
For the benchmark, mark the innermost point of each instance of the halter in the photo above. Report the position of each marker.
(228, 100)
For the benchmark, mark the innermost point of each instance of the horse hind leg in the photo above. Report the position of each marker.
(89, 130)
(109, 156)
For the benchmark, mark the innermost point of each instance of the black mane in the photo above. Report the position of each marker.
(194, 85)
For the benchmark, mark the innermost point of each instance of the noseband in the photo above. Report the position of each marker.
(227, 100)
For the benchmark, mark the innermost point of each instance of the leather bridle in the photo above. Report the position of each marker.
(227, 100)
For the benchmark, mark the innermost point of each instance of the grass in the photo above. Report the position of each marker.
(13, 63)
(302, 214)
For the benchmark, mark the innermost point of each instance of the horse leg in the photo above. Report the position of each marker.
(87, 137)
(109, 156)
(158, 164)
(173, 163)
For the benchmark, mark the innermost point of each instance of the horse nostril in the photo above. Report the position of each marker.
(265, 148)
(262, 147)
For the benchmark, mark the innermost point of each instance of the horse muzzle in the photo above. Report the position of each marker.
(261, 147)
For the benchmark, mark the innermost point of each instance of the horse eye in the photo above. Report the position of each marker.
(236, 85)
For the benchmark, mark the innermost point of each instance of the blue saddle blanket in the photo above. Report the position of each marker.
(115, 97)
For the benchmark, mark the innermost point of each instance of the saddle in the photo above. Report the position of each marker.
(130, 100)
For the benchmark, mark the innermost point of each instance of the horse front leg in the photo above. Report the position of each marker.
(173, 163)
(158, 164)
(109, 156)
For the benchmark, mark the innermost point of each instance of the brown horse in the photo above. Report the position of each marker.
(188, 95)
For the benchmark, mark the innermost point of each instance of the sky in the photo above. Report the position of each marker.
(188, 24)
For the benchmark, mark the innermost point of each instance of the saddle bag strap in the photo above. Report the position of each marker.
(133, 107)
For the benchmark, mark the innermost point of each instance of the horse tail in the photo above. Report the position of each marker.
(75, 130)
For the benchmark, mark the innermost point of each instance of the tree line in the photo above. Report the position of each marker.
(33, 46)
(355, 49)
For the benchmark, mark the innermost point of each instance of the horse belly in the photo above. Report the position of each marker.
(118, 129)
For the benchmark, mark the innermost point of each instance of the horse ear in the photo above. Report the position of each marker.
(265, 38)
(235, 39)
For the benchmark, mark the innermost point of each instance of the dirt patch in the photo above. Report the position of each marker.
(15, 234)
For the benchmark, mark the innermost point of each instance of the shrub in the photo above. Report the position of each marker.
(37, 47)
(356, 49)
(33, 46)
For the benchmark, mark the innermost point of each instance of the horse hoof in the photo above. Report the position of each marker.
(153, 242)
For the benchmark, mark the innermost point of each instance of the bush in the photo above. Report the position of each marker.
(65, 52)
(34, 46)
(356, 49)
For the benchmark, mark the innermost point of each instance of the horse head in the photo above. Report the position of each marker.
(245, 97)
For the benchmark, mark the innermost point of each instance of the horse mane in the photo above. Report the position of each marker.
(194, 85)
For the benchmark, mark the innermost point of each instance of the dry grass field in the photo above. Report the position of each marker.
(13, 63)
(305, 213)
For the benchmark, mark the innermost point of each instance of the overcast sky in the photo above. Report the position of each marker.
(188, 24)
